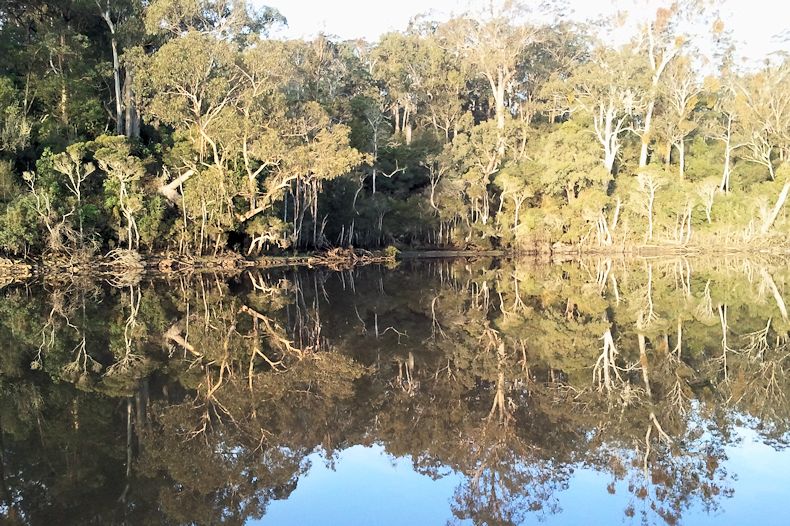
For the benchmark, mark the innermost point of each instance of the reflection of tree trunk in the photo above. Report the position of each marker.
(648, 316)
(774, 291)
(128, 450)
(174, 334)
(724, 345)
(679, 345)
(275, 333)
(7, 497)
(644, 363)
(498, 406)
(605, 370)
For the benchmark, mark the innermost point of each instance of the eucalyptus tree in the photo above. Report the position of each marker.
(571, 163)
(681, 92)
(660, 41)
(123, 21)
(764, 103)
(445, 89)
(231, 20)
(721, 123)
(423, 71)
(75, 169)
(47, 53)
(262, 104)
(492, 46)
(290, 146)
(15, 125)
(398, 66)
(608, 91)
(123, 185)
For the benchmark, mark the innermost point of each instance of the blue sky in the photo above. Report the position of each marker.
(754, 22)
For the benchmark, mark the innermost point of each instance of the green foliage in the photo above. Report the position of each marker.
(502, 130)
(20, 230)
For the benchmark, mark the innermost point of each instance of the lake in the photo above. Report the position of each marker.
(439, 391)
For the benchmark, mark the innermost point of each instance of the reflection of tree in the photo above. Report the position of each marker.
(196, 400)
(507, 475)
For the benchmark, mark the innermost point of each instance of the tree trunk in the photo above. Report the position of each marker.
(64, 93)
(315, 214)
(609, 157)
(777, 208)
(682, 158)
(725, 177)
(499, 97)
(132, 117)
(116, 73)
(646, 134)
(116, 68)
(668, 155)
(650, 218)
(170, 190)
(609, 138)
(396, 118)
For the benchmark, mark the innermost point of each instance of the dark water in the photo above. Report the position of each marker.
(438, 392)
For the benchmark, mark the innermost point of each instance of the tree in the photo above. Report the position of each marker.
(118, 15)
(648, 182)
(232, 20)
(681, 91)
(193, 81)
(571, 163)
(764, 102)
(73, 166)
(397, 64)
(15, 129)
(493, 46)
(606, 90)
(769, 221)
(124, 174)
(661, 41)
(722, 125)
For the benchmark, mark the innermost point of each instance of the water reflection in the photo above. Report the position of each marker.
(199, 399)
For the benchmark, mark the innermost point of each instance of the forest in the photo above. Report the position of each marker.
(183, 127)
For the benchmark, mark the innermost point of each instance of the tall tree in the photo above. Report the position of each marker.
(493, 46)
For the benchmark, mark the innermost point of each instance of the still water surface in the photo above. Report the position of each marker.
(439, 392)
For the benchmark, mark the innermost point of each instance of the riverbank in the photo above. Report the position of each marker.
(126, 265)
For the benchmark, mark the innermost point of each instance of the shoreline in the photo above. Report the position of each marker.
(124, 262)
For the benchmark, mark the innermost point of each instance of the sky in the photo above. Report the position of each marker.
(753, 22)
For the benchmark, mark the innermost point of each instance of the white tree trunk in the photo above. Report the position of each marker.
(769, 221)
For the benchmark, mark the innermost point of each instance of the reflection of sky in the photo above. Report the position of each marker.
(368, 486)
